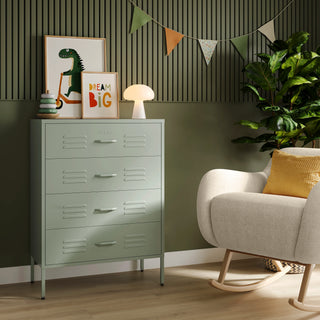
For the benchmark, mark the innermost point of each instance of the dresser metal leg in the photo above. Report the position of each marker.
(43, 283)
(141, 265)
(162, 270)
(32, 270)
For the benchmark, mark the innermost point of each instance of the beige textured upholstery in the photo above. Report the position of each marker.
(257, 223)
(233, 213)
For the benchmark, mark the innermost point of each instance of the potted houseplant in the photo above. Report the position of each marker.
(287, 86)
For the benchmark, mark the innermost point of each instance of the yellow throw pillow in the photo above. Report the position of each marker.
(292, 175)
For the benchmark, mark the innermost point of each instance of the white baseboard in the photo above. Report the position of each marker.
(172, 259)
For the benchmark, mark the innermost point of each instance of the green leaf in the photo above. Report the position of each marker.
(244, 140)
(250, 124)
(295, 81)
(296, 95)
(250, 88)
(280, 123)
(295, 63)
(284, 135)
(268, 146)
(261, 138)
(296, 41)
(311, 66)
(309, 55)
(315, 103)
(312, 128)
(308, 115)
(271, 108)
(289, 123)
(264, 57)
(275, 60)
(278, 45)
(260, 73)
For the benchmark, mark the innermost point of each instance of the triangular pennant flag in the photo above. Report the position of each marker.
(207, 47)
(268, 30)
(139, 18)
(241, 44)
(173, 38)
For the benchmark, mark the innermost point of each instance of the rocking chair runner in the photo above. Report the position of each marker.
(233, 213)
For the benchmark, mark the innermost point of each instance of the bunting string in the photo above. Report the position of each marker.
(208, 46)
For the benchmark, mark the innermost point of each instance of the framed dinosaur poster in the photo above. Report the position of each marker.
(65, 59)
(100, 95)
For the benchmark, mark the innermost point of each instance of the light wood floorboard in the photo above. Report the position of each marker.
(136, 295)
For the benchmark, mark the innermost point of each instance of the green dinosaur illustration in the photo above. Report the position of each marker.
(75, 71)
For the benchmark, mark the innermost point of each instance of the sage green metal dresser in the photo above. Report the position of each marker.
(97, 192)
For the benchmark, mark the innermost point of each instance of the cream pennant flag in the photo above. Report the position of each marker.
(207, 47)
(139, 18)
(241, 44)
(173, 38)
(268, 30)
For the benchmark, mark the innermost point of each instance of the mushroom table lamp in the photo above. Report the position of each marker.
(138, 93)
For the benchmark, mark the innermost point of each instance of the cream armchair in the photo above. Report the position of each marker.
(233, 213)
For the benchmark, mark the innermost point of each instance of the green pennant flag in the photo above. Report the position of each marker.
(139, 18)
(241, 44)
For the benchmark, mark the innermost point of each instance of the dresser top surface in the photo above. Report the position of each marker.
(102, 121)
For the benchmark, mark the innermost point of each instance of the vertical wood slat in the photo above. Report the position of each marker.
(15, 48)
(122, 75)
(189, 52)
(128, 56)
(141, 57)
(160, 53)
(155, 48)
(21, 50)
(9, 50)
(179, 79)
(3, 57)
(33, 36)
(59, 16)
(27, 52)
(39, 83)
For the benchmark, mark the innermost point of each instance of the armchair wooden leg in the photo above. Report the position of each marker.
(248, 287)
(225, 265)
(299, 303)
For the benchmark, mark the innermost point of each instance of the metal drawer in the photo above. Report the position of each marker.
(102, 140)
(98, 174)
(102, 208)
(99, 243)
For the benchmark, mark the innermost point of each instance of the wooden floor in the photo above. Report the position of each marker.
(136, 295)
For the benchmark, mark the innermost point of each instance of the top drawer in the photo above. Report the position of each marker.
(102, 140)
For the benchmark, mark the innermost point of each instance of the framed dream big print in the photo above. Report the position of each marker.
(65, 59)
(100, 95)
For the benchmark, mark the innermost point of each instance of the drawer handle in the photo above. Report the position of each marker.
(106, 141)
(105, 243)
(105, 210)
(105, 175)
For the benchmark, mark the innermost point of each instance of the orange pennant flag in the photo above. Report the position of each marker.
(173, 38)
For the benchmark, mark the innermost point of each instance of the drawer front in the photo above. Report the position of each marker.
(102, 140)
(102, 208)
(110, 174)
(99, 243)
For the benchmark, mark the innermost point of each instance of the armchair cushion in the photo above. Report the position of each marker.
(257, 223)
(292, 175)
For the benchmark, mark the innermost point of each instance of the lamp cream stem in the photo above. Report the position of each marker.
(138, 110)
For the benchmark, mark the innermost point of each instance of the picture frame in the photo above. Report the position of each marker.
(100, 95)
(65, 59)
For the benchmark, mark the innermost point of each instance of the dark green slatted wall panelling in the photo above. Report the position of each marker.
(140, 57)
